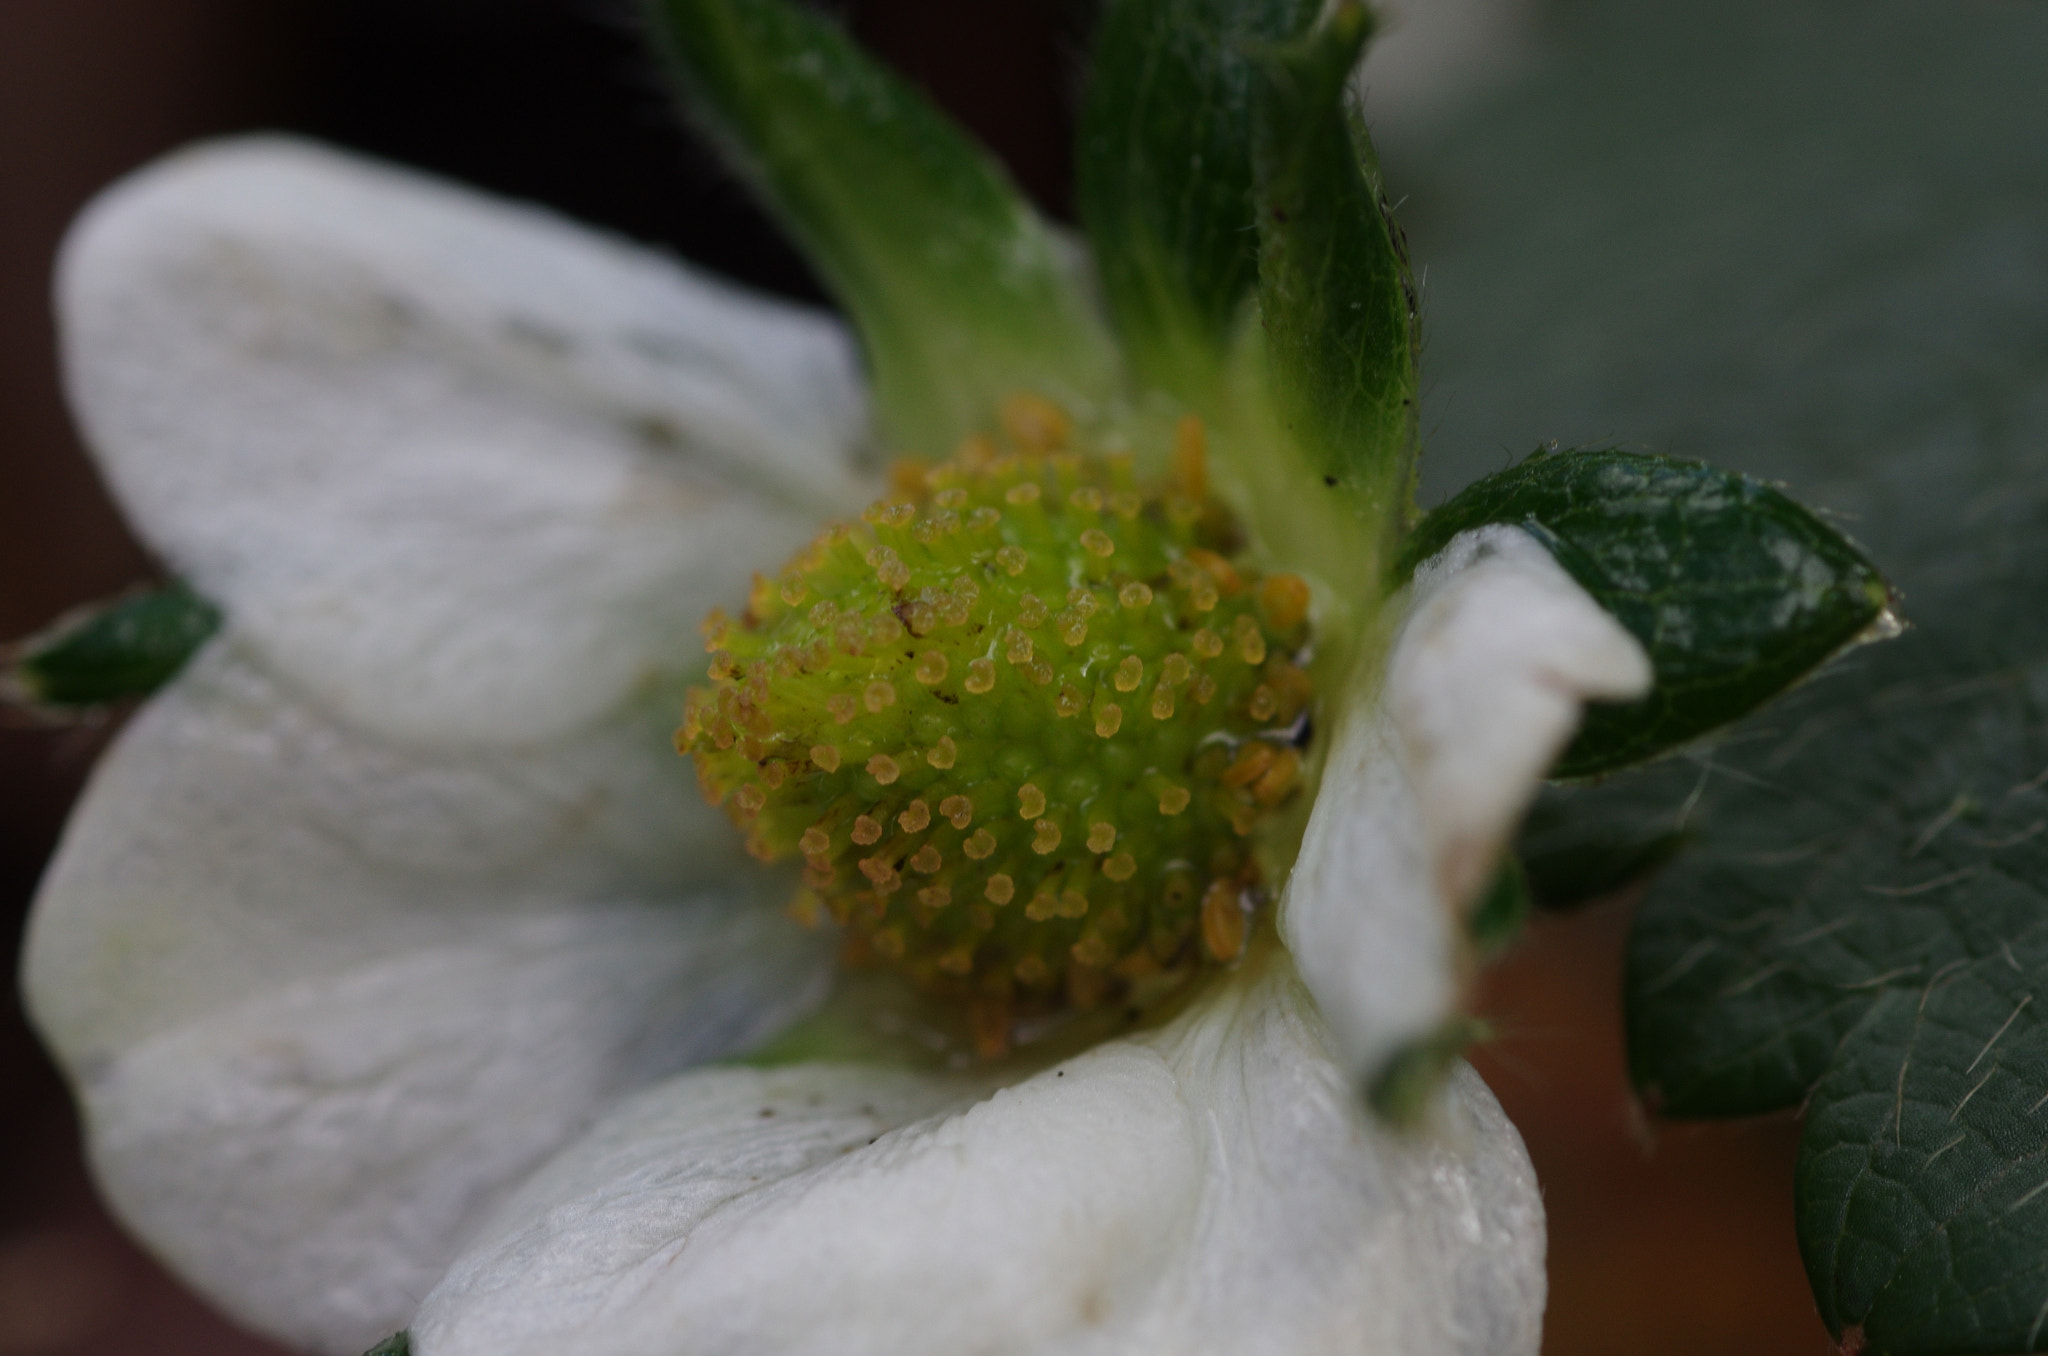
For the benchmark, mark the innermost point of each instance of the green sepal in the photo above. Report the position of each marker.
(1164, 176)
(961, 293)
(1337, 302)
(1405, 1085)
(1496, 921)
(1736, 591)
(398, 1344)
(125, 648)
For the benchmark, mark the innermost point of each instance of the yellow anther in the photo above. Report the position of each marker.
(880, 872)
(1034, 423)
(1096, 542)
(815, 842)
(943, 754)
(1071, 701)
(1252, 761)
(1083, 601)
(1222, 921)
(793, 590)
(1135, 595)
(1017, 647)
(1278, 781)
(1283, 598)
(908, 478)
(924, 619)
(1174, 799)
(750, 798)
(957, 959)
(715, 629)
(1204, 690)
(1072, 627)
(1000, 889)
(1045, 837)
(826, 756)
(1251, 646)
(880, 695)
(984, 519)
(1129, 673)
(935, 897)
(1101, 836)
(1176, 669)
(1120, 867)
(867, 831)
(1263, 705)
(1027, 492)
(931, 667)
(981, 676)
(981, 846)
(1031, 611)
(1109, 720)
(1207, 643)
(926, 860)
(1030, 801)
(1039, 672)
(1073, 904)
(958, 810)
(1202, 593)
(884, 769)
(893, 573)
(916, 816)
(951, 499)
(1190, 459)
(1087, 499)
(1217, 568)
(1013, 559)
(1093, 950)
(1045, 903)
(807, 909)
(1162, 702)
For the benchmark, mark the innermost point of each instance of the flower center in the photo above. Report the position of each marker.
(1021, 722)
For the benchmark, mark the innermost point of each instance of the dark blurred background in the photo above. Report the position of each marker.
(1677, 1242)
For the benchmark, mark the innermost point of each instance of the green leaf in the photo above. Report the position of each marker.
(1571, 858)
(1814, 250)
(1860, 924)
(1337, 305)
(1735, 591)
(127, 648)
(1164, 176)
(398, 1344)
(960, 292)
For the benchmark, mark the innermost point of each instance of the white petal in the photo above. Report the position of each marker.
(326, 1000)
(1484, 687)
(403, 429)
(1212, 1187)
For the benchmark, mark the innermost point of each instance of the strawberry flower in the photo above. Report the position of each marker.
(409, 985)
